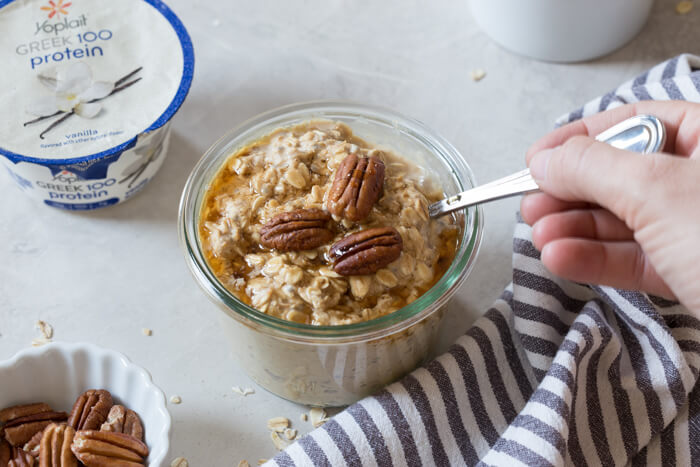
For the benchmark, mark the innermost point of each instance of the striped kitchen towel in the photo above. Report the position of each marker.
(555, 373)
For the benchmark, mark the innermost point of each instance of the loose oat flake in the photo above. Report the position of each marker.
(147, 332)
(179, 462)
(278, 441)
(318, 416)
(303, 417)
(684, 7)
(261, 461)
(477, 75)
(278, 424)
(243, 463)
(175, 399)
(243, 391)
(39, 341)
(290, 434)
(45, 328)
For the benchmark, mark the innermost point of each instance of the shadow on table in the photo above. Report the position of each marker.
(219, 438)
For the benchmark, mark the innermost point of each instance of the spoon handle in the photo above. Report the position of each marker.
(643, 134)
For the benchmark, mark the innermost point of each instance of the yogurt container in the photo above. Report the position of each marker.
(89, 88)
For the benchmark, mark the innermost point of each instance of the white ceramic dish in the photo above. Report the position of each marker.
(561, 31)
(59, 372)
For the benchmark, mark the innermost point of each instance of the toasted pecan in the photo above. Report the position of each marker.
(123, 420)
(357, 185)
(19, 431)
(90, 409)
(106, 449)
(55, 448)
(303, 229)
(366, 252)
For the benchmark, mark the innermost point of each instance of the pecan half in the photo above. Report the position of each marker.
(33, 445)
(18, 411)
(55, 450)
(105, 448)
(366, 252)
(90, 410)
(356, 187)
(5, 452)
(123, 420)
(303, 229)
(18, 431)
(20, 458)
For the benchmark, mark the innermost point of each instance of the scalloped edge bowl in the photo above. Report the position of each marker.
(57, 373)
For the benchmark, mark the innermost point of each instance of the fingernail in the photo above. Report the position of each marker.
(538, 164)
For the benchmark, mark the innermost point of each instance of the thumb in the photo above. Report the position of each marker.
(584, 169)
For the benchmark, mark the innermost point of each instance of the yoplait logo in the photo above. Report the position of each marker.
(66, 177)
(55, 9)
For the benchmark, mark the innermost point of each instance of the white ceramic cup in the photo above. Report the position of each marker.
(561, 30)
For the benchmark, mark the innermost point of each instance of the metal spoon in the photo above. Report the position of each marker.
(643, 133)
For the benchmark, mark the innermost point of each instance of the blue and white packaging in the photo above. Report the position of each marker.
(88, 91)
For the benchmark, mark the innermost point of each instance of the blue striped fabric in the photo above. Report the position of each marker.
(554, 374)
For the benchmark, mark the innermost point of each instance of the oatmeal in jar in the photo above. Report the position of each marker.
(313, 225)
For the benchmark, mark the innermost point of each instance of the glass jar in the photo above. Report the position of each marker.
(334, 365)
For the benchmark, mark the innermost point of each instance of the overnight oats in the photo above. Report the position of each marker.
(309, 227)
(281, 209)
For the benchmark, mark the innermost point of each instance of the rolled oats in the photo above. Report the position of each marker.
(294, 169)
(295, 177)
(243, 391)
(278, 424)
(423, 273)
(387, 278)
(296, 316)
(684, 7)
(477, 75)
(278, 441)
(359, 285)
(328, 272)
(45, 328)
(292, 274)
(317, 416)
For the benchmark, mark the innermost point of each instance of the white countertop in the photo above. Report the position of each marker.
(103, 276)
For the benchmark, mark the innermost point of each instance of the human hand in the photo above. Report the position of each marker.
(613, 217)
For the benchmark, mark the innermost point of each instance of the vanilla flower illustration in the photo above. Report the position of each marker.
(148, 149)
(74, 91)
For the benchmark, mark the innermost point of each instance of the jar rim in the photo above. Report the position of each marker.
(212, 160)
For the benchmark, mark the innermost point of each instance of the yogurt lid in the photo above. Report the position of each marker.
(86, 77)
